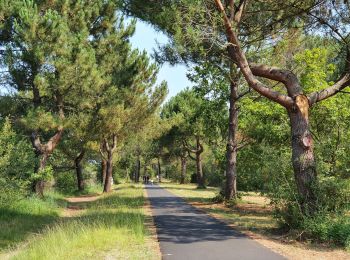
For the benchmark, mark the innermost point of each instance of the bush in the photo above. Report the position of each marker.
(66, 182)
(329, 224)
(16, 164)
(333, 194)
(333, 228)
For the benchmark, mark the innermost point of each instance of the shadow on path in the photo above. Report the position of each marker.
(185, 232)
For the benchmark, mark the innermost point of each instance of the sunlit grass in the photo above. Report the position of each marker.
(190, 191)
(21, 219)
(110, 227)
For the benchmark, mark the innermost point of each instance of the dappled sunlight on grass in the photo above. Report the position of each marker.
(26, 217)
(111, 226)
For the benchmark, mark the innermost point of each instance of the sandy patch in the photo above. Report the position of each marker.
(75, 205)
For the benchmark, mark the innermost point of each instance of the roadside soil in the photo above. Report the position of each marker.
(77, 205)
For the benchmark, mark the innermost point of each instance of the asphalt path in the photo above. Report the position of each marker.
(185, 232)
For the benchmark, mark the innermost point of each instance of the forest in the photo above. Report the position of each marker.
(82, 113)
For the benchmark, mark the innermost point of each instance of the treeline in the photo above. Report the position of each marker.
(74, 92)
(268, 112)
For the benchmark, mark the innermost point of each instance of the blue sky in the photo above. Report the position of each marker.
(146, 38)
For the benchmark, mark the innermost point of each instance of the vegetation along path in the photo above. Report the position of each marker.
(184, 232)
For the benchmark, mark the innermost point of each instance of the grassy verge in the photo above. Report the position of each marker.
(21, 219)
(110, 227)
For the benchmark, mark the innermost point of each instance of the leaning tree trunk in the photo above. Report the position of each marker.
(42, 152)
(231, 148)
(303, 154)
(200, 176)
(108, 180)
(183, 169)
(79, 170)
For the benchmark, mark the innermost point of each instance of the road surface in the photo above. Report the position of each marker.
(185, 232)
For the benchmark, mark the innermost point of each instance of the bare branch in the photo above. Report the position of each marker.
(288, 78)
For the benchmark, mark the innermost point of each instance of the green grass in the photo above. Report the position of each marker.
(21, 219)
(190, 191)
(112, 226)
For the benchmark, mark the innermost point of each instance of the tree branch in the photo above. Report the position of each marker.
(186, 146)
(114, 145)
(239, 58)
(102, 147)
(342, 83)
(288, 78)
(200, 148)
(191, 156)
(330, 91)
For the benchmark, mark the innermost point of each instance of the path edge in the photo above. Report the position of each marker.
(150, 224)
(251, 235)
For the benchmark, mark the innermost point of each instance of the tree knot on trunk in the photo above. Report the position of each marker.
(231, 147)
(307, 141)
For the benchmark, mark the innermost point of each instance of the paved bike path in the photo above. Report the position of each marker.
(185, 232)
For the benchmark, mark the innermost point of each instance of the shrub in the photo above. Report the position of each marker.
(16, 164)
(66, 182)
(333, 194)
(328, 227)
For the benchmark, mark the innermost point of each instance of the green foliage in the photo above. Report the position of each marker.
(66, 182)
(334, 228)
(45, 174)
(334, 194)
(331, 222)
(16, 164)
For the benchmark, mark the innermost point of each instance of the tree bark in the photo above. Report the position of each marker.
(109, 171)
(159, 171)
(39, 185)
(42, 152)
(200, 176)
(231, 148)
(103, 170)
(303, 159)
(183, 169)
(109, 158)
(138, 169)
(297, 105)
(79, 170)
(145, 169)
